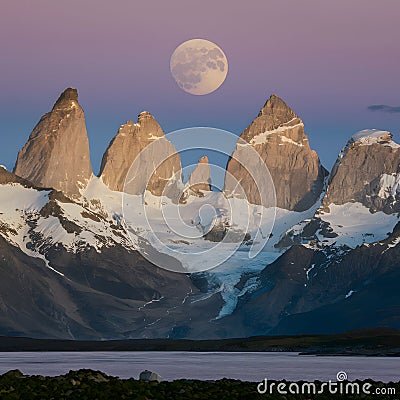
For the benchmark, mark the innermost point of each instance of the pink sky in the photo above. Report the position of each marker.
(328, 60)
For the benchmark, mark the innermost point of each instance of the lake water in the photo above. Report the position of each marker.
(175, 365)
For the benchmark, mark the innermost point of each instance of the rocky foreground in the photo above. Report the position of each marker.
(88, 384)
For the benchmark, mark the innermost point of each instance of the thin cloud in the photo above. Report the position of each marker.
(384, 108)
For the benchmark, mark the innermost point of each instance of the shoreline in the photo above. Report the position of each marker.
(368, 342)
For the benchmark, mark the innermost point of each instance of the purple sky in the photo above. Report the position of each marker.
(329, 60)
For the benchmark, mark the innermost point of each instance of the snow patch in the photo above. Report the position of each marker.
(367, 137)
(355, 224)
(263, 137)
(389, 185)
(394, 243)
(396, 186)
(288, 140)
(309, 270)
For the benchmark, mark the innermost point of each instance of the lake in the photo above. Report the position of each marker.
(174, 365)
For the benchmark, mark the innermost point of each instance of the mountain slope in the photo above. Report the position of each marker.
(375, 304)
(292, 294)
(72, 273)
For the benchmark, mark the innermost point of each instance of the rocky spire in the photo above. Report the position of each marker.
(200, 178)
(277, 134)
(57, 154)
(160, 162)
(367, 171)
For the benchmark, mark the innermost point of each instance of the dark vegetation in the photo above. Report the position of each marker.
(87, 384)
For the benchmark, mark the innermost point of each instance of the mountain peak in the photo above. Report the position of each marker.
(366, 172)
(275, 106)
(148, 125)
(200, 178)
(56, 154)
(273, 115)
(277, 134)
(129, 143)
(372, 136)
(144, 116)
(203, 160)
(67, 96)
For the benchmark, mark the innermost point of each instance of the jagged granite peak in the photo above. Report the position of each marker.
(367, 171)
(57, 153)
(277, 134)
(69, 95)
(272, 115)
(363, 186)
(160, 162)
(200, 178)
(277, 111)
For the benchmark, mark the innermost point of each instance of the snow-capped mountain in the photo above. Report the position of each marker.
(70, 272)
(338, 271)
(367, 172)
(81, 254)
(362, 201)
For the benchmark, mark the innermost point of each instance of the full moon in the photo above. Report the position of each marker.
(199, 66)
